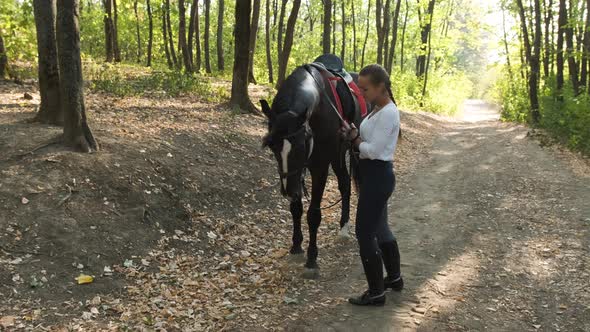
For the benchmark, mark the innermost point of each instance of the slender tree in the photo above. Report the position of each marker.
(77, 133)
(109, 29)
(354, 40)
(562, 22)
(137, 31)
(547, 34)
(267, 40)
(253, 37)
(191, 31)
(50, 110)
(207, 34)
(165, 39)
(288, 42)
(532, 58)
(405, 24)
(170, 37)
(584, 79)
(3, 59)
(425, 27)
(280, 33)
(367, 25)
(394, 25)
(151, 33)
(326, 46)
(571, 58)
(197, 37)
(239, 90)
(343, 25)
(220, 60)
(182, 37)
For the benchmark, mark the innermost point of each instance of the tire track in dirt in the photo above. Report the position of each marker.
(493, 232)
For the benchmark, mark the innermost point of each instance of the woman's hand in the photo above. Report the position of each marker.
(349, 134)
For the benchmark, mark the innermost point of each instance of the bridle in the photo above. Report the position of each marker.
(308, 136)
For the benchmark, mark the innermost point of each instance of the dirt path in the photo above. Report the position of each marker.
(493, 231)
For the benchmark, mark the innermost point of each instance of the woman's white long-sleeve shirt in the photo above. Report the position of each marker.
(379, 132)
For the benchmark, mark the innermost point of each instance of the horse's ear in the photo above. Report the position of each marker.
(265, 108)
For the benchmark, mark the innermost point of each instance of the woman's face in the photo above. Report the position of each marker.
(370, 91)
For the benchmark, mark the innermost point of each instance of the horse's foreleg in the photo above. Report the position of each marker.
(314, 218)
(296, 212)
(345, 191)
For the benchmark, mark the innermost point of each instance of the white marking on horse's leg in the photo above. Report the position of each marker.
(285, 158)
(345, 231)
(310, 147)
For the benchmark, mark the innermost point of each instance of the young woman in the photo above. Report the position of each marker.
(376, 141)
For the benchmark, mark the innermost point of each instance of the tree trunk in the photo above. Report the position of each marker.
(386, 26)
(253, 37)
(77, 133)
(425, 83)
(207, 34)
(151, 34)
(109, 31)
(197, 38)
(116, 48)
(354, 40)
(366, 34)
(571, 59)
(532, 60)
(402, 54)
(284, 60)
(280, 34)
(191, 31)
(333, 28)
(394, 25)
(547, 55)
(220, 60)
(50, 110)
(425, 27)
(536, 62)
(165, 39)
(326, 46)
(509, 66)
(170, 37)
(137, 31)
(182, 37)
(239, 88)
(343, 19)
(562, 22)
(3, 59)
(586, 50)
(267, 39)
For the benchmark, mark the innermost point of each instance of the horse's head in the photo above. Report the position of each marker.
(289, 138)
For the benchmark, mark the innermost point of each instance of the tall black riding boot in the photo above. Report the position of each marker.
(391, 260)
(375, 295)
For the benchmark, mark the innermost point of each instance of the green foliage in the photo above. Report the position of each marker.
(567, 117)
(512, 94)
(564, 115)
(17, 26)
(129, 80)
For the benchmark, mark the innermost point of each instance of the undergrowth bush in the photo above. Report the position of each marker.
(129, 80)
(563, 115)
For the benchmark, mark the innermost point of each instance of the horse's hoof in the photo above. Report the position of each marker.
(296, 258)
(344, 233)
(311, 273)
(296, 251)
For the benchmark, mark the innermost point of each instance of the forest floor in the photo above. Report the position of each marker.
(179, 220)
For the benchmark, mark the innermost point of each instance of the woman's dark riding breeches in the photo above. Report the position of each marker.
(377, 182)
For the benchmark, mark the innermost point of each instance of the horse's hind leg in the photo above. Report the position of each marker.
(314, 218)
(344, 188)
(296, 212)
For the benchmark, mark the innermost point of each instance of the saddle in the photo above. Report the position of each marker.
(345, 93)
